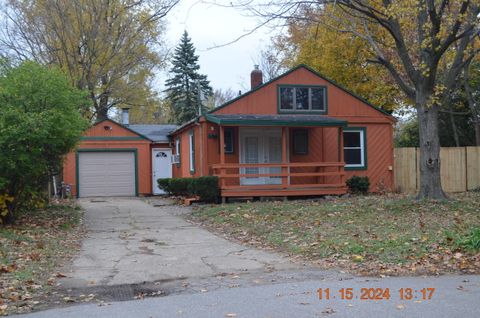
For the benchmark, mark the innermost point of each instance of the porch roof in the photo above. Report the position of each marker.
(291, 120)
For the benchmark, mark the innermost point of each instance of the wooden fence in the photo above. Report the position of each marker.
(460, 169)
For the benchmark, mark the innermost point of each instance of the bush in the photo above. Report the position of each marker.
(164, 184)
(181, 186)
(40, 122)
(204, 187)
(358, 184)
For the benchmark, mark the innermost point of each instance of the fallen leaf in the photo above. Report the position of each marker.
(231, 315)
(328, 311)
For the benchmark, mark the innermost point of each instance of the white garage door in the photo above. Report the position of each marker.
(106, 174)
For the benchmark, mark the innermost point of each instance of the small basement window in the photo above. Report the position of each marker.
(300, 141)
(228, 138)
(354, 146)
(302, 99)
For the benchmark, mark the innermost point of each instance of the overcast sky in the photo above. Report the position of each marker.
(208, 26)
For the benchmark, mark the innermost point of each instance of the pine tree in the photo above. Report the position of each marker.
(186, 87)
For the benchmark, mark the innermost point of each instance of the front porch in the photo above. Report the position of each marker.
(280, 155)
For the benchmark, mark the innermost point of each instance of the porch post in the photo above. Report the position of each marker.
(284, 156)
(340, 152)
(222, 156)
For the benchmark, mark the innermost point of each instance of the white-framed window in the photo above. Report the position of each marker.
(354, 148)
(292, 99)
(191, 147)
(177, 146)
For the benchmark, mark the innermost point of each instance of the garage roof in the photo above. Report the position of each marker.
(156, 133)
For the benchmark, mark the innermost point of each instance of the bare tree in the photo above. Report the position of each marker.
(107, 47)
(424, 45)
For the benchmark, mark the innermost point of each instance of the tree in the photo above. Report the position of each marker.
(456, 120)
(108, 47)
(471, 85)
(270, 62)
(186, 86)
(39, 124)
(339, 56)
(220, 97)
(423, 44)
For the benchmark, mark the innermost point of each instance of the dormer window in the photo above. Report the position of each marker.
(302, 99)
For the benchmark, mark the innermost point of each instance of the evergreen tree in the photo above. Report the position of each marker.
(186, 87)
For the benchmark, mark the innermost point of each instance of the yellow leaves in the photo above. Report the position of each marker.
(357, 258)
(5, 199)
(341, 56)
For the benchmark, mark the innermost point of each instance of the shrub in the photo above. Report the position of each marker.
(164, 184)
(181, 186)
(204, 187)
(358, 184)
(40, 123)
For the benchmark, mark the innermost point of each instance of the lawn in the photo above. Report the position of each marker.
(370, 235)
(32, 250)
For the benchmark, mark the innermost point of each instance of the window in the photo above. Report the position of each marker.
(300, 142)
(177, 146)
(228, 137)
(354, 148)
(177, 151)
(302, 99)
(191, 145)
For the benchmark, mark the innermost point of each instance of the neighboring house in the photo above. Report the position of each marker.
(299, 134)
(115, 159)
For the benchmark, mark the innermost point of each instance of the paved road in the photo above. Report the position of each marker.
(203, 275)
(454, 296)
(130, 241)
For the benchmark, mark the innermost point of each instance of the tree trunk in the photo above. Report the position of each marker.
(454, 129)
(102, 109)
(430, 182)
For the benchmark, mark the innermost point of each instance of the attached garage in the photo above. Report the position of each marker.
(114, 159)
(106, 173)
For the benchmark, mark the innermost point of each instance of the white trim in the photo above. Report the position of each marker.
(191, 151)
(362, 148)
(177, 146)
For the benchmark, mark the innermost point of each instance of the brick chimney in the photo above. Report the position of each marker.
(256, 77)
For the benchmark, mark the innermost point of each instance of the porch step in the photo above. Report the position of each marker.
(275, 192)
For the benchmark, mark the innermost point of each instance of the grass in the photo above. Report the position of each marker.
(390, 234)
(32, 250)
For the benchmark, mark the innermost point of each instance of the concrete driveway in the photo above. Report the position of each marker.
(131, 241)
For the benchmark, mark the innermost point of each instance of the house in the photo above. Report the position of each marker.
(299, 134)
(114, 159)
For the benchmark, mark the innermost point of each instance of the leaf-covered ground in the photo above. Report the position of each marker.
(369, 235)
(32, 250)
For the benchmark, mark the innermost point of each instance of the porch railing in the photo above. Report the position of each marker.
(293, 175)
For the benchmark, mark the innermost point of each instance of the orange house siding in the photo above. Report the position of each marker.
(323, 141)
(143, 146)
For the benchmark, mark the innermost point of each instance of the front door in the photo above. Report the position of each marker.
(161, 166)
(260, 146)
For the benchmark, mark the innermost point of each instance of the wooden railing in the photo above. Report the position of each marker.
(289, 174)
